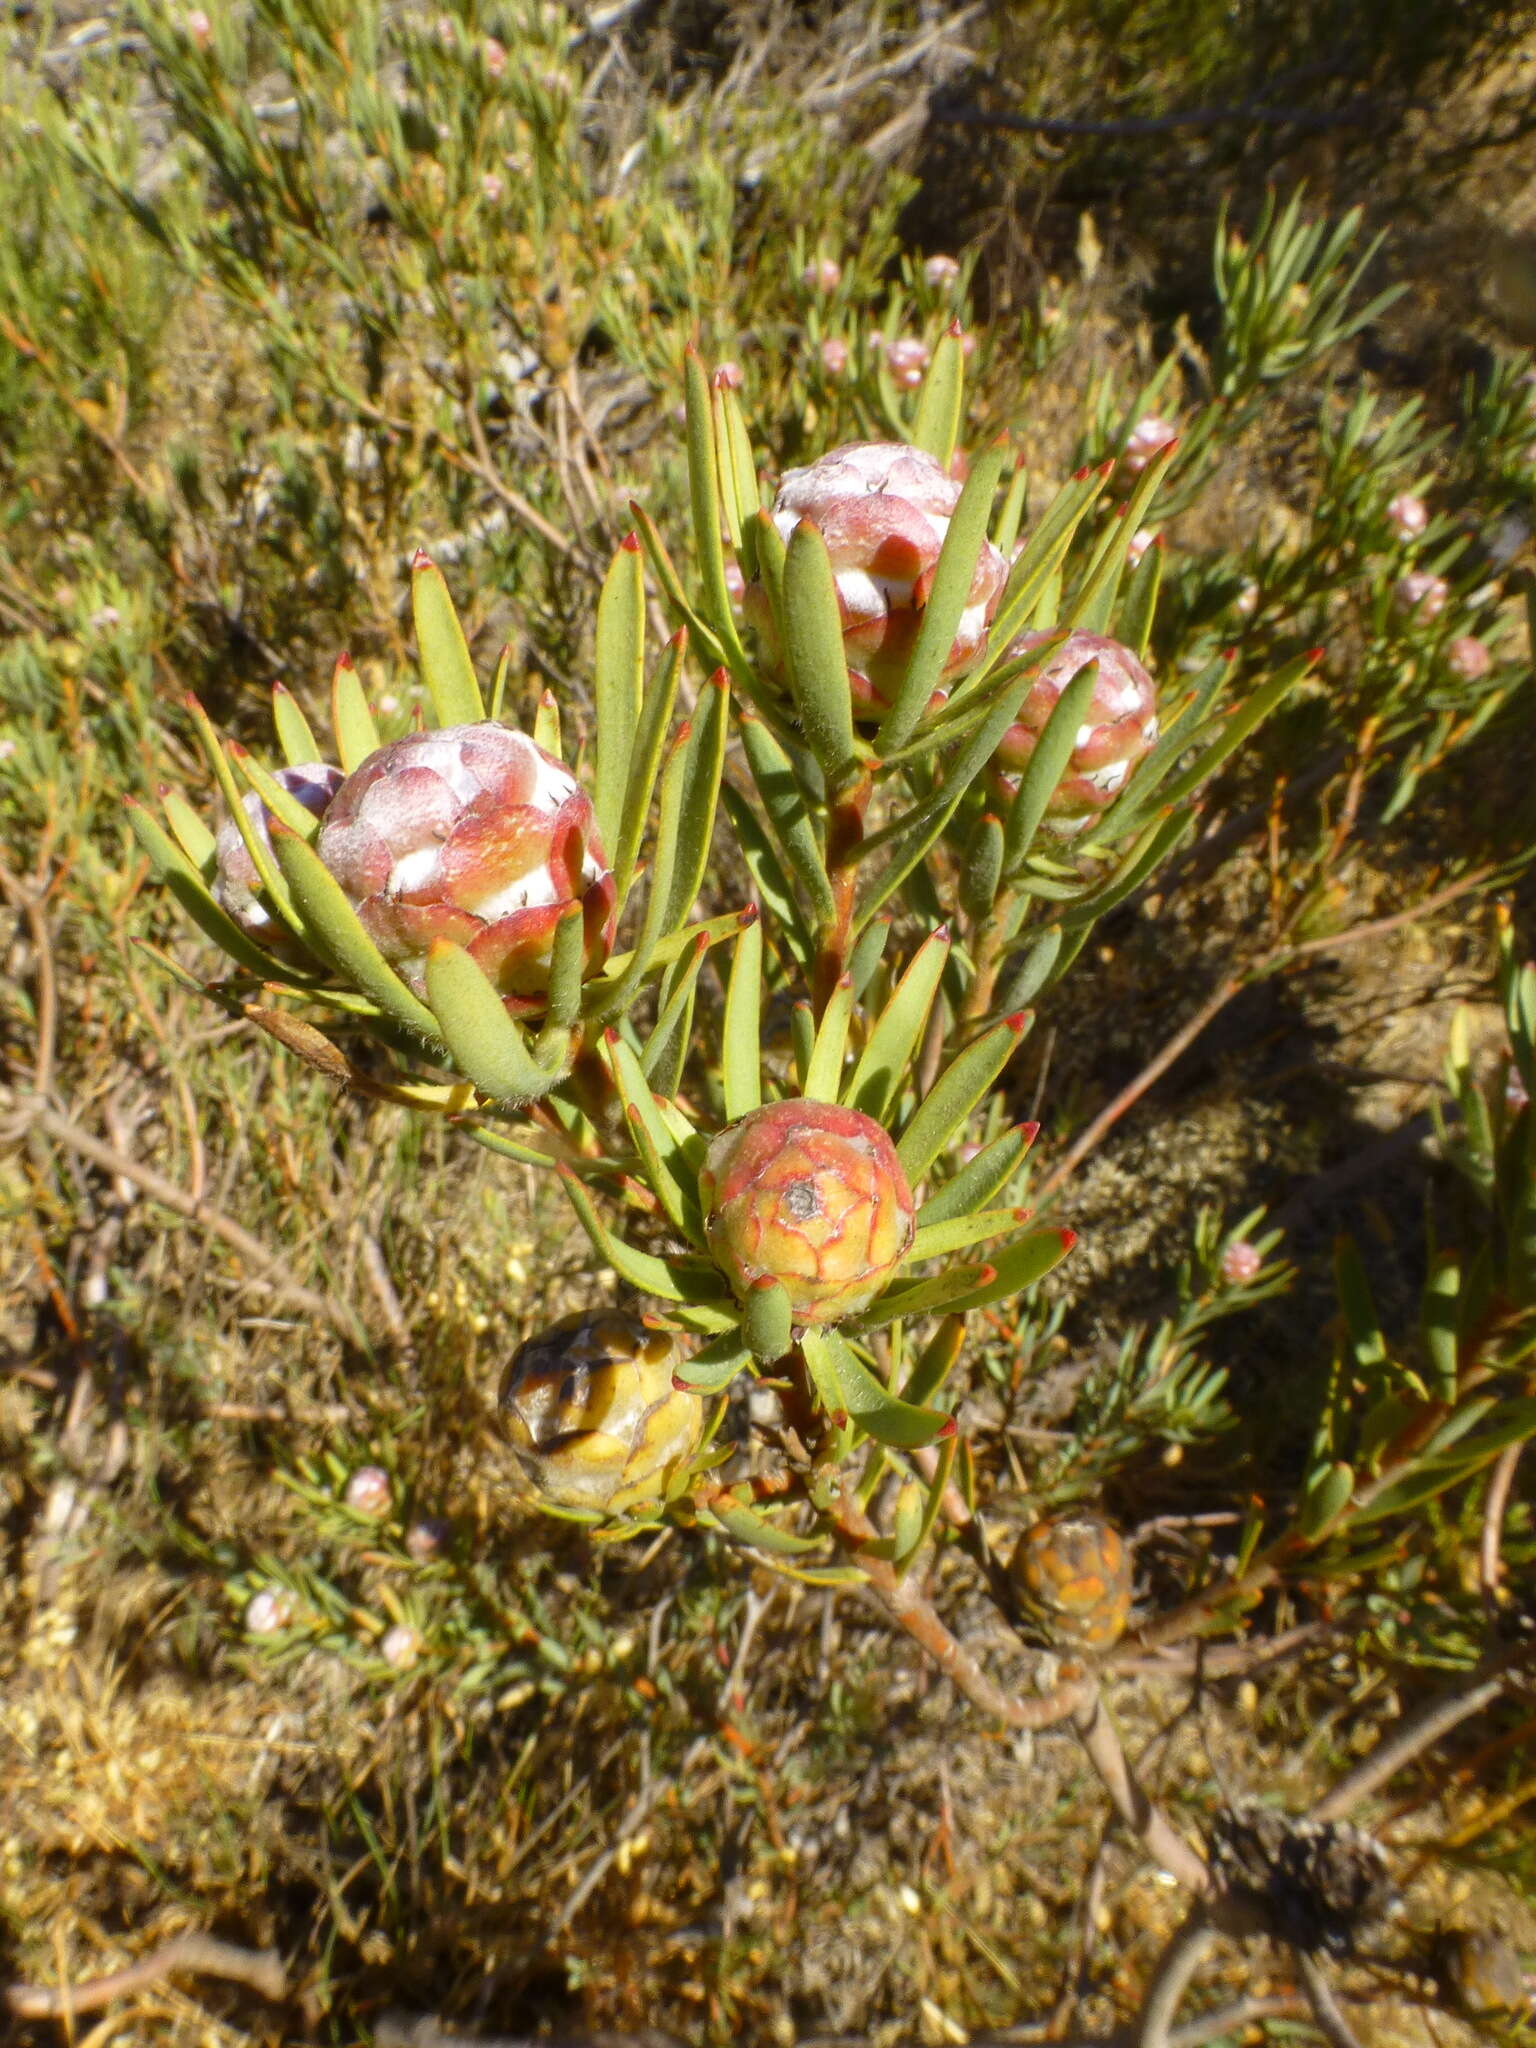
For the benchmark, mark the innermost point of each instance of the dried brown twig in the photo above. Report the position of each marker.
(260, 1969)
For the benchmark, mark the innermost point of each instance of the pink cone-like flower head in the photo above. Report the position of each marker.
(1240, 1262)
(1421, 595)
(1468, 658)
(591, 1411)
(1118, 727)
(907, 360)
(236, 884)
(813, 1196)
(369, 1492)
(400, 1647)
(883, 510)
(1073, 1576)
(1147, 437)
(1407, 515)
(474, 834)
(822, 275)
(268, 1613)
(940, 271)
(834, 355)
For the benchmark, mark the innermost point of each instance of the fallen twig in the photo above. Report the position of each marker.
(261, 1969)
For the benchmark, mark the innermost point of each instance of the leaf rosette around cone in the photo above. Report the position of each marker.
(883, 510)
(474, 834)
(590, 1409)
(1118, 729)
(810, 1195)
(1072, 1574)
(236, 883)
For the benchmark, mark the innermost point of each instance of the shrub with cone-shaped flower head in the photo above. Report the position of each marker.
(471, 833)
(237, 885)
(883, 510)
(810, 1195)
(590, 1409)
(1073, 1577)
(1117, 730)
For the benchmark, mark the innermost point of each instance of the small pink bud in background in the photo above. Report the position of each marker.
(447, 31)
(1147, 437)
(268, 1613)
(735, 582)
(1246, 602)
(907, 360)
(104, 620)
(494, 56)
(834, 356)
(237, 881)
(401, 1647)
(1049, 315)
(1468, 658)
(1138, 544)
(428, 1538)
(728, 376)
(1240, 1262)
(492, 187)
(822, 275)
(1407, 515)
(940, 271)
(199, 28)
(967, 344)
(1421, 595)
(1516, 1095)
(369, 1492)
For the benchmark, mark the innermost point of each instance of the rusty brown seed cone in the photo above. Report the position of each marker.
(589, 1407)
(1072, 1574)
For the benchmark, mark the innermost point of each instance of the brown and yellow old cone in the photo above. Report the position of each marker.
(1072, 1574)
(590, 1409)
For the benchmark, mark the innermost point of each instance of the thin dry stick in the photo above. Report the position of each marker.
(1151, 1827)
(1436, 1718)
(1182, 1957)
(1500, 1483)
(30, 903)
(1331, 2023)
(260, 1969)
(170, 1196)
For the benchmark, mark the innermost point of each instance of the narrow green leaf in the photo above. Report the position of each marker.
(1143, 860)
(256, 844)
(952, 580)
(747, 1526)
(1043, 554)
(741, 1037)
(184, 882)
(1019, 1266)
(1095, 596)
(1023, 983)
(956, 1093)
(769, 881)
(1442, 1293)
(933, 1501)
(641, 1269)
(787, 812)
(196, 841)
(442, 649)
(711, 1369)
(956, 1233)
(937, 1360)
(868, 950)
(708, 508)
(546, 726)
(499, 685)
(802, 1038)
(614, 995)
(703, 760)
(925, 1297)
(981, 869)
(279, 801)
(766, 1321)
(666, 1050)
(338, 934)
(710, 648)
(941, 403)
(671, 1179)
(887, 1056)
(1240, 722)
(645, 759)
(1138, 608)
(1046, 766)
(813, 652)
(487, 1045)
(845, 1385)
(352, 722)
(567, 963)
(979, 1179)
(294, 738)
(1324, 1499)
(1011, 518)
(618, 684)
(823, 1077)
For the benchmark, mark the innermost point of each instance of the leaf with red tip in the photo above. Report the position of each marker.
(351, 721)
(844, 1384)
(442, 648)
(941, 406)
(618, 685)
(898, 1030)
(946, 1106)
(294, 737)
(975, 1184)
(1019, 1267)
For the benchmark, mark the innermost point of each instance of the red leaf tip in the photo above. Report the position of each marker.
(630, 544)
(1068, 1239)
(1018, 1022)
(950, 1429)
(954, 330)
(1029, 1132)
(344, 660)
(1316, 653)
(744, 918)
(420, 560)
